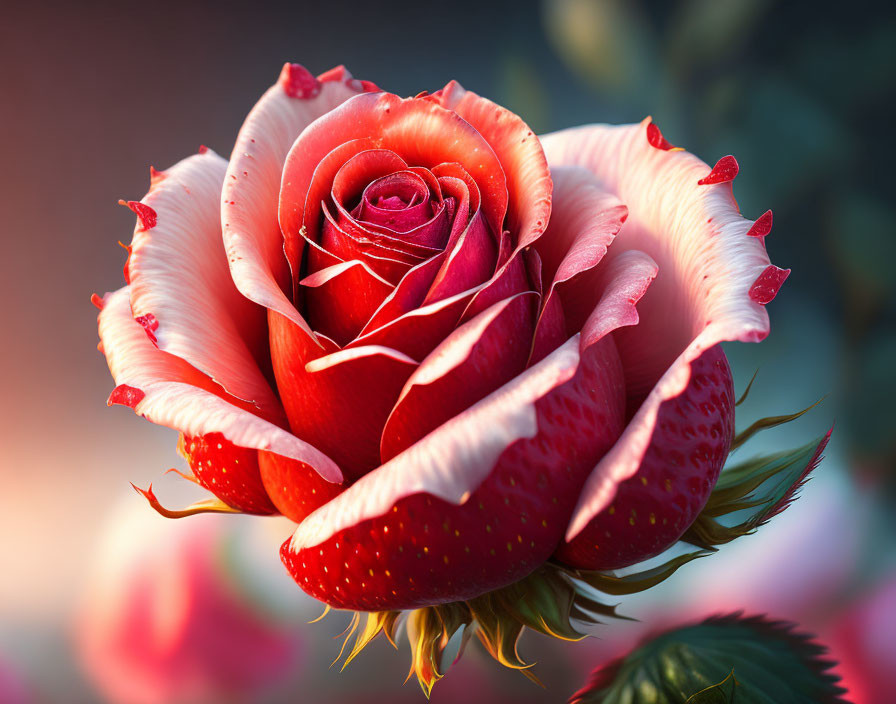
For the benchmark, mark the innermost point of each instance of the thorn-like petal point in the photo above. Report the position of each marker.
(766, 287)
(298, 82)
(762, 226)
(724, 171)
(144, 213)
(656, 140)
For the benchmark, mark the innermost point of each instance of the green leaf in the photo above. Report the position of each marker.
(722, 660)
(763, 487)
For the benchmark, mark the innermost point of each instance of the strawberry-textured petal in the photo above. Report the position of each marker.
(168, 391)
(294, 487)
(252, 237)
(179, 276)
(433, 525)
(707, 265)
(653, 509)
(521, 156)
(229, 472)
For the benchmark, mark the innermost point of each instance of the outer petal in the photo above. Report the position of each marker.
(695, 233)
(707, 265)
(252, 236)
(179, 275)
(168, 391)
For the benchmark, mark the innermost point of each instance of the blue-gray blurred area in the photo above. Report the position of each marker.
(802, 93)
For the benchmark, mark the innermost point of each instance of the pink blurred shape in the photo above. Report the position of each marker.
(12, 688)
(864, 641)
(163, 621)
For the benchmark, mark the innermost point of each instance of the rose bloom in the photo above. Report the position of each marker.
(449, 349)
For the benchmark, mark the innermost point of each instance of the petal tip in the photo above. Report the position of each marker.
(724, 171)
(762, 225)
(146, 215)
(656, 139)
(767, 284)
(298, 82)
(124, 395)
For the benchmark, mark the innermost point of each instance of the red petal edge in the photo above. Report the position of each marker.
(298, 82)
(767, 284)
(125, 395)
(144, 213)
(725, 170)
(656, 140)
(762, 226)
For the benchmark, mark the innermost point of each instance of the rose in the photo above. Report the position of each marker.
(410, 325)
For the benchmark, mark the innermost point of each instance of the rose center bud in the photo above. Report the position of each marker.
(400, 202)
(383, 218)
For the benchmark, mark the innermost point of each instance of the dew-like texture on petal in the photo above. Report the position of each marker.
(707, 264)
(166, 390)
(252, 236)
(179, 274)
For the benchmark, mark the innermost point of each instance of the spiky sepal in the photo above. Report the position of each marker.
(762, 486)
(724, 659)
(555, 601)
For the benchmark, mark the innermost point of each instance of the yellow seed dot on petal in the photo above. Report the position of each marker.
(445, 559)
(611, 510)
(644, 481)
(652, 520)
(544, 523)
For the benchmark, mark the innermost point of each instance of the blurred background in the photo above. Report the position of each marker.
(102, 601)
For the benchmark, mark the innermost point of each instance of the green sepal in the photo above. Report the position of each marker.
(763, 486)
(722, 660)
